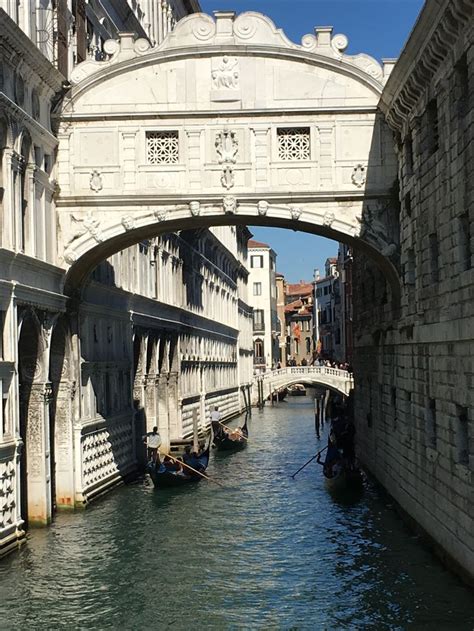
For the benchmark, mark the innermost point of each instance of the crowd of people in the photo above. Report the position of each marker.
(318, 361)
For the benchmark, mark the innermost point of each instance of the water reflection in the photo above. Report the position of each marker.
(266, 552)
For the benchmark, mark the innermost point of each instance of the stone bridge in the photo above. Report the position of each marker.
(339, 380)
(228, 122)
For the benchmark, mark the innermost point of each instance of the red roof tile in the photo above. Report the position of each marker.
(257, 244)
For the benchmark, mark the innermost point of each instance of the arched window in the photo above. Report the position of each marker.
(24, 192)
(258, 349)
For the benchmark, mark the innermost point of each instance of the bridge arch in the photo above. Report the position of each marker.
(339, 381)
(226, 122)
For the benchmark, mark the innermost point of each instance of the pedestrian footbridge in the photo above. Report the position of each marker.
(333, 378)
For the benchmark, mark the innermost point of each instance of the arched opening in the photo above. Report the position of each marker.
(61, 414)
(34, 397)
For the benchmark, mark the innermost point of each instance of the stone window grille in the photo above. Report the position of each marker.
(162, 147)
(294, 143)
(462, 435)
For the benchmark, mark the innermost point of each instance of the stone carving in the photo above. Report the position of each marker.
(195, 208)
(229, 204)
(227, 146)
(70, 256)
(227, 177)
(204, 29)
(106, 452)
(262, 207)
(295, 213)
(95, 181)
(7, 493)
(375, 232)
(339, 43)
(87, 225)
(358, 176)
(161, 214)
(128, 222)
(226, 75)
(328, 219)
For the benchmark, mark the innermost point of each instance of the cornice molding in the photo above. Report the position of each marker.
(435, 33)
(21, 44)
(20, 116)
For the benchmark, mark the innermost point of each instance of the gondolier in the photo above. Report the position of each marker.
(153, 441)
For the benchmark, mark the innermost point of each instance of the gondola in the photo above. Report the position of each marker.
(344, 479)
(221, 439)
(164, 478)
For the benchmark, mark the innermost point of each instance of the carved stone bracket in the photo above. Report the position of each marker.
(262, 207)
(195, 208)
(295, 213)
(229, 204)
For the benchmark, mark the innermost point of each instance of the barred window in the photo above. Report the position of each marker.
(162, 147)
(293, 143)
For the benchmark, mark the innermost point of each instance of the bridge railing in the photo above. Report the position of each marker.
(307, 371)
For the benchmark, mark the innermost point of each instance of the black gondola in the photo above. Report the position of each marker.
(222, 440)
(164, 477)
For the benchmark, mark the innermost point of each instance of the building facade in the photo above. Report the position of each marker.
(413, 360)
(263, 298)
(299, 323)
(161, 332)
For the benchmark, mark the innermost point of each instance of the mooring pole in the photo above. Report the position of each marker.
(317, 409)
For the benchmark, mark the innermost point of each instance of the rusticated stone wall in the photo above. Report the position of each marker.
(414, 364)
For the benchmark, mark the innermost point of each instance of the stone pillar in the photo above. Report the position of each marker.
(173, 406)
(150, 402)
(162, 410)
(261, 156)
(64, 445)
(129, 159)
(326, 157)
(195, 160)
(38, 454)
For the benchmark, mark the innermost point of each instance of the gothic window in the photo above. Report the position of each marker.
(258, 349)
(162, 147)
(293, 143)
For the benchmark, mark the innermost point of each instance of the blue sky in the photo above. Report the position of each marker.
(376, 27)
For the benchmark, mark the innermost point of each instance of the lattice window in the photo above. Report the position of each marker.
(293, 143)
(162, 147)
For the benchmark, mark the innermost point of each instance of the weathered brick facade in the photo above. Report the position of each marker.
(414, 362)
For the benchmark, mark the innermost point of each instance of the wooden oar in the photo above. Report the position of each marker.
(310, 460)
(183, 464)
(232, 430)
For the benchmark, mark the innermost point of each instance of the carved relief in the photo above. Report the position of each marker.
(106, 452)
(375, 231)
(227, 146)
(328, 219)
(161, 214)
(229, 203)
(195, 208)
(7, 493)
(262, 207)
(227, 177)
(358, 176)
(85, 225)
(95, 181)
(295, 213)
(226, 75)
(128, 222)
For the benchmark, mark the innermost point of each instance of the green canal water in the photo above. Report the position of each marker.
(266, 552)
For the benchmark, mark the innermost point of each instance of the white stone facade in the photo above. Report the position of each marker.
(160, 329)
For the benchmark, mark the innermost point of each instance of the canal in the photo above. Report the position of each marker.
(266, 552)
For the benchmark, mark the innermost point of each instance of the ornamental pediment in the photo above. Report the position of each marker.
(243, 31)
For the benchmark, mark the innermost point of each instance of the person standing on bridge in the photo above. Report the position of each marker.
(153, 441)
